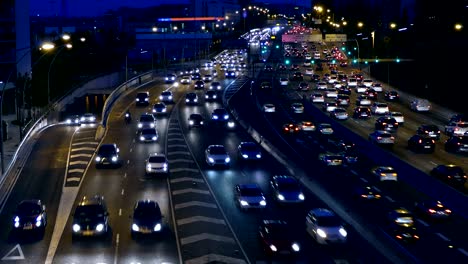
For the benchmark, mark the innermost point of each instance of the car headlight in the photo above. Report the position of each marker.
(227, 160)
(211, 160)
(142, 138)
(76, 227)
(258, 156)
(152, 125)
(98, 158)
(343, 232)
(160, 97)
(92, 118)
(280, 197)
(215, 117)
(154, 110)
(163, 110)
(187, 100)
(170, 97)
(154, 138)
(39, 220)
(140, 125)
(68, 121)
(82, 119)
(146, 99)
(244, 203)
(114, 158)
(231, 124)
(148, 166)
(17, 220)
(138, 99)
(206, 96)
(263, 203)
(295, 247)
(99, 227)
(226, 117)
(214, 96)
(201, 122)
(245, 156)
(157, 227)
(135, 227)
(191, 122)
(195, 100)
(321, 233)
(301, 197)
(273, 248)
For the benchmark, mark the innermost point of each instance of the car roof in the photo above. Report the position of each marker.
(322, 212)
(248, 186)
(156, 154)
(91, 200)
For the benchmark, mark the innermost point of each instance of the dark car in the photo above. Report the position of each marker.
(148, 135)
(386, 123)
(170, 78)
(147, 218)
(315, 78)
(450, 173)
(220, 114)
(297, 76)
(362, 112)
(404, 234)
(429, 130)
(199, 85)
(457, 144)
(91, 218)
(191, 98)
(391, 96)
(30, 215)
(107, 154)
(337, 145)
(432, 209)
(211, 96)
(459, 118)
(195, 120)
(276, 238)
(420, 143)
(367, 192)
(142, 99)
(287, 189)
(159, 108)
(74, 120)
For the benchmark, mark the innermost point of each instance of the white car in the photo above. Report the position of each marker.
(88, 118)
(363, 100)
(322, 85)
(306, 63)
(385, 173)
(317, 98)
(331, 93)
(309, 71)
(186, 79)
(361, 88)
(269, 108)
(352, 82)
(325, 227)
(325, 128)
(377, 87)
(329, 106)
(217, 155)
(367, 82)
(297, 108)
(249, 196)
(284, 81)
(306, 126)
(339, 113)
(382, 137)
(157, 163)
(378, 108)
(166, 96)
(420, 105)
(333, 79)
(331, 159)
(399, 117)
(456, 128)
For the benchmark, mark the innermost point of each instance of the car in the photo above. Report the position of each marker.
(186, 71)
(331, 159)
(329, 106)
(269, 68)
(450, 173)
(148, 135)
(456, 129)
(297, 108)
(342, 99)
(367, 192)
(363, 100)
(420, 143)
(107, 154)
(207, 78)
(430, 130)
(362, 112)
(382, 138)
(459, 118)
(385, 173)
(142, 99)
(291, 128)
(157, 163)
(294, 67)
(159, 108)
(325, 128)
(265, 85)
(367, 82)
(371, 93)
(195, 120)
(282, 67)
(147, 218)
(420, 105)
(315, 78)
(220, 114)
(401, 217)
(325, 227)
(321, 85)
(331, 93)
(309, 71)
(385, 123)
(307, 126)
(339, 145)
(30, 216)
(74, 120)
(339, 113)
(359, 77)
(283, 81)
(361, 88)
(432, 209)
(199, 85)
(333, 79)
(344, 90)
(230, 124)
(391, 95)
(404, 234)
(170, 78)
(297, 76)
(166, 97)
(230, 74)
(276, 238)
(269, 108)
(378, 108)
(303, 86)
(249, 150)
(399, 117)
(377, 87)
(217, 155)
(191, 98)
(249, 196)
(286, 189)
(88, 118)
(196, 76)
(457, 144)
(211, 96)
(186, 79)
(352, 82)
(317, 97)
(306, 64)
(146, 120)
(91, 218)
(216, 86)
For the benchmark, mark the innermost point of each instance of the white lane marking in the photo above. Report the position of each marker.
(85, 143)
(442, 236)
(131, 149)
(116, 248)
(214, 258)
(183, 169)
(16, 253)
(200, 218)
(78, 162)
(463, 251)
(390, 199)
(76, 170)
(125, 175)
(377, 189)
(175, 139)
(73, 179)
(422, 222)
(178, 152)
(83, 148)
(204, 236)
(90, 139)
(181, 160)
(183, 179)
(177, 145)
(364, 180)
(354, 172)
(81, 155)
(194, 203)
(128, 161)
(433, 163)
(190, 190)
(122, 192)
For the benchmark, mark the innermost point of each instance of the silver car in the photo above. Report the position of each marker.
(157, 163)
(249, 196)
(382, 137)
(325, 226)
(217, 155)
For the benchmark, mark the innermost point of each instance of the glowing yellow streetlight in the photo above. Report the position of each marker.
(82, 39)
(48, 46)
(392, 25)
(66, 37)
(360, 24)
(344, 23)
(458, 26)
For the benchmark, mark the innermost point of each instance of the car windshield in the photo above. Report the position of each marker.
(25, 209)
(196, 117)
(146, 118)
(454, 170)
(220, 111)
(106, 149)
(278, 231)
(148, 131)
(166, 93)
(87, 211)
(142, 95)
(251, 191)
(328, 221)
(147, 210)
(217, 150)
(249, 147)
(291, 186)
(157, 159)
(386, 170)
(191, 95)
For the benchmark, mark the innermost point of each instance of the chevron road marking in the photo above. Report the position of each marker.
(178, 152)
(214, 258)
(184, 169)
(81, 155)
(73, 179)
(190, 190)
(204, 236)
(78, 162)
(85, 143)
(83, 148)
(194, 203)
(175, 139)
(181, 160)
(184, 179)
(177, 145)
(199, 218)
(76, 170)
